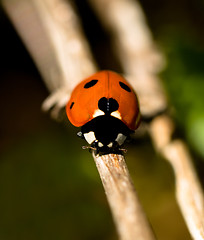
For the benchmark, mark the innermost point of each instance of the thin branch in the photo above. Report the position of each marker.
(51, 31)
(188, 190)
(126, 209)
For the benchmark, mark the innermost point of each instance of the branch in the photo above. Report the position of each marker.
(51, 31)
(127, 212)
(188, 190)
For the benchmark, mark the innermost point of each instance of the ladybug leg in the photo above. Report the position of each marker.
(89, 147)
(93, 147)
(124, 150)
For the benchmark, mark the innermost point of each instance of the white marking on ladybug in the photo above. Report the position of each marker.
(120, 138)
(100, 144)
(110, 145)
(116, 114)
(90, 137)
(97, 113)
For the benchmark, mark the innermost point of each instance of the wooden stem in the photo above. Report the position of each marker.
(188, 189)
(127, 212)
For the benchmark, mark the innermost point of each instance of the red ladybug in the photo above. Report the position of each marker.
(107, 110)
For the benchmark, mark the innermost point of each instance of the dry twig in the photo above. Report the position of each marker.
(126, 209)
(51, 31)
(188, 190)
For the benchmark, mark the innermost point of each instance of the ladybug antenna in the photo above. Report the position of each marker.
(89, 147)
(123, 150)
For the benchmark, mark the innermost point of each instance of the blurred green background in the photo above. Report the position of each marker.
(49, 186)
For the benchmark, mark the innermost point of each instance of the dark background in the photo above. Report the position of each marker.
(49, 186)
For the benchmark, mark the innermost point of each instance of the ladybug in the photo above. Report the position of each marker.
(106, 108)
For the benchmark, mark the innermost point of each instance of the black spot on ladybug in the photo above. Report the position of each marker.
(108, 105)
(125, 87)
(71, 106)
(91, 83)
